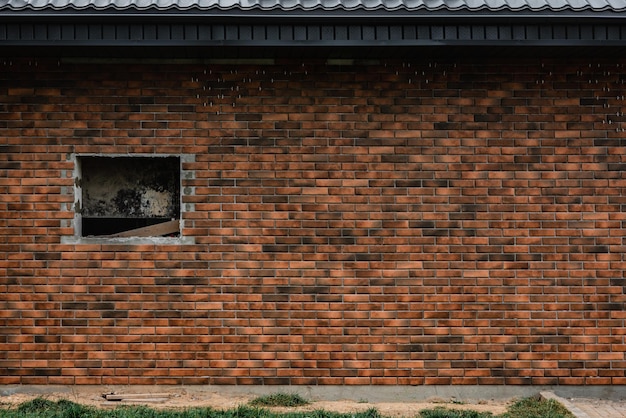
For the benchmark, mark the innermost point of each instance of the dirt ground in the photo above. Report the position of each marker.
(181, 398)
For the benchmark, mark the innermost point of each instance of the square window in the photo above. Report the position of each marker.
(129, 196)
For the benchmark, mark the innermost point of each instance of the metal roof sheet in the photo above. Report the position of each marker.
(311, 5)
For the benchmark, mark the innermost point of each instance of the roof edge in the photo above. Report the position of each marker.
(360, 14)
(214, 6)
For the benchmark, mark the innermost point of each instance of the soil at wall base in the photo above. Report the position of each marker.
(181, 398)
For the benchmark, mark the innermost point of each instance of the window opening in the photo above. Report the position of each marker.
(129, 196)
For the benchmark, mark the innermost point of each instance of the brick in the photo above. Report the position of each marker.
(446, 234)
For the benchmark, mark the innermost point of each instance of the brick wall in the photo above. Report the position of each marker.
(402, 223)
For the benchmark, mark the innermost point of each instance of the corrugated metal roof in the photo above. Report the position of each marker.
(311, 5)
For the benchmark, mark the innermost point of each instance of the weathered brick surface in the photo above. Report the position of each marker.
(401, 223)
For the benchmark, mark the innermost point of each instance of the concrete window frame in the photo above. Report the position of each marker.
(77, 206)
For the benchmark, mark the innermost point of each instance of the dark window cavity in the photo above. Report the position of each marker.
(129, 196)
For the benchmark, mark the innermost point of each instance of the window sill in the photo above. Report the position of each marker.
(129, 240)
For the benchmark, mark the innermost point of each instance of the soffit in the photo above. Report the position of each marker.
(388, 26)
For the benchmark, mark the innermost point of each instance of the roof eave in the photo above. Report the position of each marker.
(317, 15)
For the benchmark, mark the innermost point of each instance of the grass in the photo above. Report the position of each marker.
(537, 408)
(453, 413)
(280, 399)
(43, 408)
(533, 407)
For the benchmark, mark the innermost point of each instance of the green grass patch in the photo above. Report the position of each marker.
(537, 408)
(45, 408)
(533, 407)
(42, 408)
(453, 413)
(280, 399)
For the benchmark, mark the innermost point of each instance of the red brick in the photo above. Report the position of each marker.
(419, 240)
